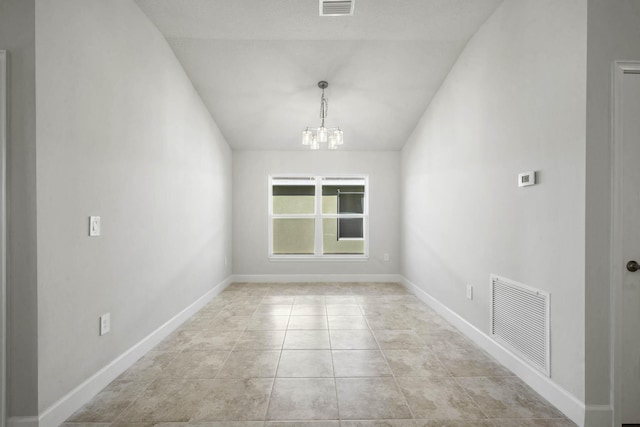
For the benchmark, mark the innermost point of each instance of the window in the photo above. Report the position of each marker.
(314, 217)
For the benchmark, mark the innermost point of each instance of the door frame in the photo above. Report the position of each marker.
(617, 261)
(3, 236)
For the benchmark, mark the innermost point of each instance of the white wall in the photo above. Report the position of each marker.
(251, 170)
(17, 36)
(514, 102)
(614, 34)
(121, 133)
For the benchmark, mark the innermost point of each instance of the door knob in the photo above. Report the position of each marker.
(633, 266)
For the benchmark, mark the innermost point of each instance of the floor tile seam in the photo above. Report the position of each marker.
(335, 383)
(395, 380)
(456, 380)
(138, 395)
(273, 386)
(230, 352)
(446, 368)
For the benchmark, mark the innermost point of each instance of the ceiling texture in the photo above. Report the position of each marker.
(256, 64)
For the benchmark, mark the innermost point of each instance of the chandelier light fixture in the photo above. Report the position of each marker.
(314, 137)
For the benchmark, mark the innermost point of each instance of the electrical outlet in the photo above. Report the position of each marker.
(105, 324)
(469, 292)
(226, 261)
(386, 257)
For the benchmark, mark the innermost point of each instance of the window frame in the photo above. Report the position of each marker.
(318, 216)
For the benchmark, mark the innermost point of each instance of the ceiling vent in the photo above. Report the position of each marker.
(336, 7)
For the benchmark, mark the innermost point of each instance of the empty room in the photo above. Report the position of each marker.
(319, 213)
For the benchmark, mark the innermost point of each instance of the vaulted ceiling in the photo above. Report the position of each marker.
(256, 64)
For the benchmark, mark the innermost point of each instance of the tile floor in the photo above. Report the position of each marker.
(317, 354)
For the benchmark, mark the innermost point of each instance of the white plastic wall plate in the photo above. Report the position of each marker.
(526, 179)
(94, 226)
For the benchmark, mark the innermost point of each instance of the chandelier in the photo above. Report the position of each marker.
(313, 137)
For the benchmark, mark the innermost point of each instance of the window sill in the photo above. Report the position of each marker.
(325, 258)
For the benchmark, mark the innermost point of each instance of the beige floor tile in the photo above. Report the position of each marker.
(343, 310)
(415, 363)
(303, 399)
(387, 321)
(352, 340)
(229, 323)
(360, 363)
(454, 423)
(260, 340)
(507, 397)
(443, 340)
(69, 424)
(302, 424)
(176, 341)
(536, 422)
(196, 364)
(274, 309)
(309, 300)
(391, 339)
(379, 423)
(347, 322)
(307, 340)
(238, 310)
(250, 364)
(309, 310)
(235, 400)
(228, 424)
(378, 309)
(308, 322)
(339, 299)
(110, 402)
(305, 364)
(200, 323)
(212, 340)
(268, 323)
(439, 399)
(149, 366)
(148, 424)
(167, 399)
(278, 299)
(471, 363)
(370, 398)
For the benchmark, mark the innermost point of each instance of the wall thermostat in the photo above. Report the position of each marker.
(526, 178)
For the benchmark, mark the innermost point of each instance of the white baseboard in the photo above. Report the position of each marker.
(598, 416)
(57, 413)
(287, 278)
(566, 402)
(22, 422)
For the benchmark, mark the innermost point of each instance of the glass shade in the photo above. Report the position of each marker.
(322, 134)
(307, 136)
(315, 145)
(333, 144)
(338, 135)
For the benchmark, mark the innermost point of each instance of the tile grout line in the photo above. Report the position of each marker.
(273, 384)
(393, 375)
(333, 368)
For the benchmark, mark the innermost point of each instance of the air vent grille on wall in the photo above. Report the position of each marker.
(520, 321)
(336, 7)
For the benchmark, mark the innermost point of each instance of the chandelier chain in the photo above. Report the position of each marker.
(324, 107)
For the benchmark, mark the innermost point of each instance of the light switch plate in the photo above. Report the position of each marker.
(94, 226)
(526, 179)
